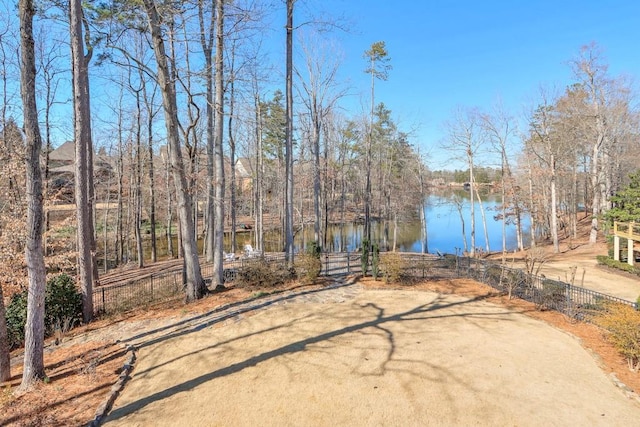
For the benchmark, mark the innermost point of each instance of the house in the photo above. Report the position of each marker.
(62, 171)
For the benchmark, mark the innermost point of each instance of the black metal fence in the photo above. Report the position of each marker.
(574, 301)
(121, 297)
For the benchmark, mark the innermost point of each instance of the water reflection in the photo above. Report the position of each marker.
(445, 213)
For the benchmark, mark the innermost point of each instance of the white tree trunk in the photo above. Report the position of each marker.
(218, 269)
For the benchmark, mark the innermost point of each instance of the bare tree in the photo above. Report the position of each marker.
(218, 269)
(500, 130)
(50, 73)
(194, 283)
(605, 122)
(321, 68)
(464, 142)
(378, 68)
(84, 157)
(288, 222)
(207, 31)
(33, 368)
(545, 146)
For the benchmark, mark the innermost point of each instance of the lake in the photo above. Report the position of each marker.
(444, 228)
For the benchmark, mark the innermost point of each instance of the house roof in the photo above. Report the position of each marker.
(65, 153)
(244, 167)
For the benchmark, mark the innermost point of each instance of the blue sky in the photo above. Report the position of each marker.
(449, 54)
(473, 53)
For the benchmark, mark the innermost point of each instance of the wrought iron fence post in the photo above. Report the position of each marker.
(326, 263)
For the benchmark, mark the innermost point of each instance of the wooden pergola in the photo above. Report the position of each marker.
(629, 231)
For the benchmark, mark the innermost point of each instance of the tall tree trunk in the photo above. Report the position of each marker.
(289, 138)
(168, 234)
(259, 175)
(574, 203)
(152, 192)
(484, 223)
(83, 147)
(554, 207)
(458, 204)
(232, 152)
(150, 167)
(206, 41)
(424, 232)
(218, 269)
(503, 193)
(137, 199)
(316, 126)
(105, 228)
(34, 328)
(472, 186)
(195, 287)
(532, 210)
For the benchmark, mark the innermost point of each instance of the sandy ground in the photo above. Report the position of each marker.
(579, 266)
(356, 356)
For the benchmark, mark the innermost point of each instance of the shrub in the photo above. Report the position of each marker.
(364, 258)
(16, 318)
(262, 274)
(62, 309)
(375, 261)
(622, 323)
(308, 264)
(63, 304)
(552, 295)
(610, 262)
(392, 265)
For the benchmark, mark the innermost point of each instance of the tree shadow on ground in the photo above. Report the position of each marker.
(422, 312)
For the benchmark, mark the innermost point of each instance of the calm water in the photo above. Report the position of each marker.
(443, 224)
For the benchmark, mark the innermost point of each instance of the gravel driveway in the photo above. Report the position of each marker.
(352, 356)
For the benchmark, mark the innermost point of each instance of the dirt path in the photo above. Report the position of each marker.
(580, 267)
(355, 356)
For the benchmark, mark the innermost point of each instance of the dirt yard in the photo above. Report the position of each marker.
(445, 352)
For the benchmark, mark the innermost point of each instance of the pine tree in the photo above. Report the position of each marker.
(626, 203)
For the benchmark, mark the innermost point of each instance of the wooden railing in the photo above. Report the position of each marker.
(628, 230)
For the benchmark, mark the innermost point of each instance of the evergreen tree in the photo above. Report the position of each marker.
(626, 203)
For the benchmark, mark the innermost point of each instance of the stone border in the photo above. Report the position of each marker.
(104, 408)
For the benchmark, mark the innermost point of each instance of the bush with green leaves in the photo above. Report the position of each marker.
(62, 309)
(610, 262)
(16, 313)
(63, 303)
(364, 258)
